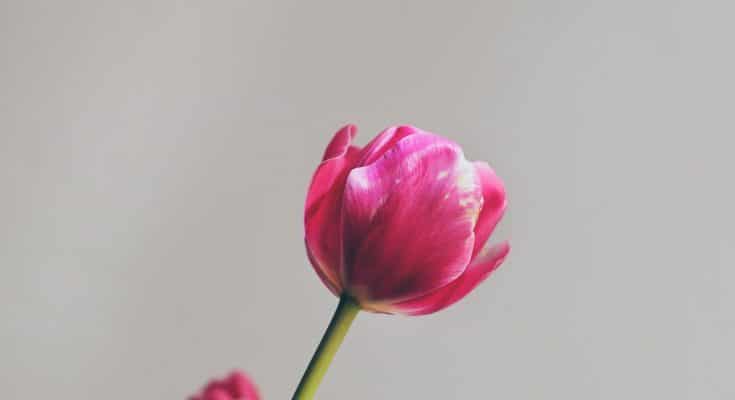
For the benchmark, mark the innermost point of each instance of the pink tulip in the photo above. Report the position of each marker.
(402, 224)
(236, 386)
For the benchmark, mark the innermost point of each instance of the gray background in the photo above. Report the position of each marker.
(154, 160)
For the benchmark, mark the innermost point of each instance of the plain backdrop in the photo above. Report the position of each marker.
(154, 158)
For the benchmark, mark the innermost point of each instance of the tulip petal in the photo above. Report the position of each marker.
(408, 220)
(340, 142)
(338, 156)
(241, 387)
(322, 211)
(493, 205)
(475, 274)
(384, 142)
(329, 279)
(218, 394)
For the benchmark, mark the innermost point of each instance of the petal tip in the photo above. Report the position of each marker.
(340, 142)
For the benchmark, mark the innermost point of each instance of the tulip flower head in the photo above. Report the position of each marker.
(236, 386)
(402, 225)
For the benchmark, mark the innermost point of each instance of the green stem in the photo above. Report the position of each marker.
(344, 315)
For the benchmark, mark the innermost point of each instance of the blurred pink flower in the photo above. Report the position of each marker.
(236, 386)
(401, 224)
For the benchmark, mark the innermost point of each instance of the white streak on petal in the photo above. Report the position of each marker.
(360, 178)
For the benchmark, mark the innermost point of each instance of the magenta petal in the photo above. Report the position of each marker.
(216, 390)
(384, 142)
(322, 211)
(338, 157)
(408, 220)
(218, 394)
(340, 142)
(493, 206)
(330, 279)
(440, 299)
(241, 387)
(211, 386)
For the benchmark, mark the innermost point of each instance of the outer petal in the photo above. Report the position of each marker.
(241, 387)
(477, 272)
(384, 142)
(338, 154)
(212, 386)
(340, 142)
(493, 206)
(408, 221)
(218, 394)
(330, 279)
(323, 205)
